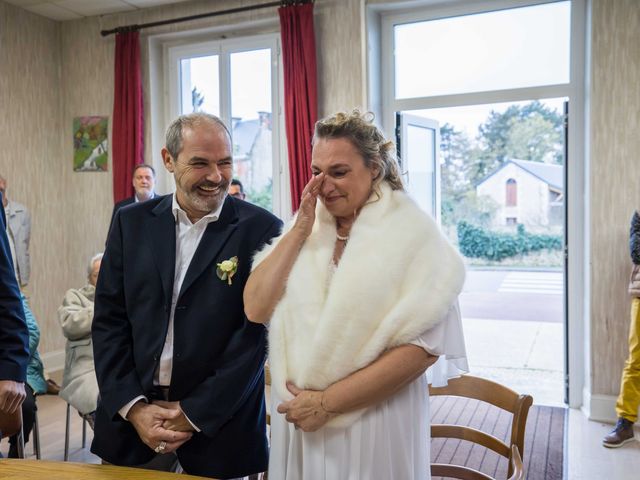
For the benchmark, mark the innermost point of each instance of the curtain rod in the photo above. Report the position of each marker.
(133, 28)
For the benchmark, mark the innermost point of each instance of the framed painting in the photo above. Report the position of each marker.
(90, 144)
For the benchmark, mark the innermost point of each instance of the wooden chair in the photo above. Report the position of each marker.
(495, 394)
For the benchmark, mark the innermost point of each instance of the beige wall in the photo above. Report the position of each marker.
(614, 180)
(31, 135)
(52, 72)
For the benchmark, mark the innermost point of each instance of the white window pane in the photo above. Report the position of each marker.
(251, 124)
(515, 48)
(200, 85)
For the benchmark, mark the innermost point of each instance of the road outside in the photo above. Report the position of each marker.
(513, 323)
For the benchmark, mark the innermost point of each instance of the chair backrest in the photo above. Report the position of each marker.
(10, 423)
(495, 394)
(267, 383)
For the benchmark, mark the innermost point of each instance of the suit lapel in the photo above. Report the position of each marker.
(163, 245)
(214, 238)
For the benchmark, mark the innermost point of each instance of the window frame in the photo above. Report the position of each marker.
(381, 20)
(166, 54)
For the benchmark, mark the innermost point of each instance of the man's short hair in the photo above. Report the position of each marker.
(173, 140)
(143, 165)
(235, 181)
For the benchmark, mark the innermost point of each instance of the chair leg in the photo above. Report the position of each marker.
(66, 434)
(36, 436)
(21, 443)
(84, 431)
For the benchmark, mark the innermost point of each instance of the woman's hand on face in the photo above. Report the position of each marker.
(305, 410)
(307, 211)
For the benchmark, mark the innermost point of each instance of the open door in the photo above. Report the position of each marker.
(418, 142)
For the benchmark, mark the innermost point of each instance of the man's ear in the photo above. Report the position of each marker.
(167, 159)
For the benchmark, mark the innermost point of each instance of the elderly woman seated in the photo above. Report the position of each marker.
(79, 384)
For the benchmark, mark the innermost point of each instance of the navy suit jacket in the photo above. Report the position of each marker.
(218, 354)
(14, 336)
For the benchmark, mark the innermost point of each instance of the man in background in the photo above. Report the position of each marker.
(14, 336)
(236, 190)
(19, 233)
(144, 182)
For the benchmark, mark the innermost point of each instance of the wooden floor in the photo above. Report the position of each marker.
(52, 412)
(584, 455)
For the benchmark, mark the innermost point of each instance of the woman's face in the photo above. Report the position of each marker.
(347, 181)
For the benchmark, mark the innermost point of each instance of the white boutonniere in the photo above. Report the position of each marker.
(227, 269)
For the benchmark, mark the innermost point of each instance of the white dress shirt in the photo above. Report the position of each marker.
(188, 236)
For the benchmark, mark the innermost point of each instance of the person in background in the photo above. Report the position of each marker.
(236, 190)
(79, 384)
(144, 183)
(14, 335)
(36, 384)
(629, 398)
(19, 233)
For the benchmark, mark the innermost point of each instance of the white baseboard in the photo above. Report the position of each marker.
(600, 408)
(53, 361)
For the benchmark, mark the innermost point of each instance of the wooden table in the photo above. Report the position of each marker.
(18, 469)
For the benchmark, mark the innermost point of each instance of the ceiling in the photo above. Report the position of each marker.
(74, 9)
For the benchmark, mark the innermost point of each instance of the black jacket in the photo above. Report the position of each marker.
(14, 336)
(218, 354)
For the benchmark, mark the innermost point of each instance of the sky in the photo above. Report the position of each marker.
(468, 118)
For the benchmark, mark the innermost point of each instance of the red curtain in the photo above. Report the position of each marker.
(127, 138)
(300, 92)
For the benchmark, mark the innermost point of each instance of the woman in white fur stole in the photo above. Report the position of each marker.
(361, 295)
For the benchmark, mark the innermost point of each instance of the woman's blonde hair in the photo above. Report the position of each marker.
(377, 152)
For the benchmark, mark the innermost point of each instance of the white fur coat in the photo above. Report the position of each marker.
(397, 278)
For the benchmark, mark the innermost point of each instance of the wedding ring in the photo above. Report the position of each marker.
(160, 448)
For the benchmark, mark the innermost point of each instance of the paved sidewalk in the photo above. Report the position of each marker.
(523, 355)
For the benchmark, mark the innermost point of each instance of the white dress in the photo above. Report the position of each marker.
(390, 441)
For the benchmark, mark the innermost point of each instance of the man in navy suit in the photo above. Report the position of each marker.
(14, 336)
(179, 367)
(144, 182)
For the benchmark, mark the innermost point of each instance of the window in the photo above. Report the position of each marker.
(465, 71)
(469, 43)
(512, 193)
(239, 81)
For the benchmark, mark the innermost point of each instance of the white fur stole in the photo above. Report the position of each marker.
(397, 278)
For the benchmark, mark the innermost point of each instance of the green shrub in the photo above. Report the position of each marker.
(477, 242)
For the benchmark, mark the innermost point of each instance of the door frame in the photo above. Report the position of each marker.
(380, 25)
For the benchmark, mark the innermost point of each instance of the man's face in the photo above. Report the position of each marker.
(234, 191)
(203, 169)
(143, 182)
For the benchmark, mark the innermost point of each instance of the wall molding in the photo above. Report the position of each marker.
(599, 408)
